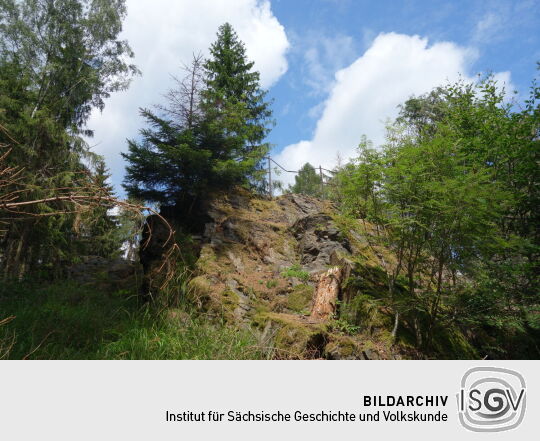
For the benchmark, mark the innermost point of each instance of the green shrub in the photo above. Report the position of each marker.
(297, 272)
(342, 325)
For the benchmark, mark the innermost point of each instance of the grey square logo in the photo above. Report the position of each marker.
(491, 399)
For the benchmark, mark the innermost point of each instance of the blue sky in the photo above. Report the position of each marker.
(336, 69)
(509, 41)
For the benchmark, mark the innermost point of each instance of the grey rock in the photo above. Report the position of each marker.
(243, 300)
(209, 229)
(230, 231)
(232, 284)
(370, 354)
(238, 201)
(215, 242)
(319, 239)
(236, 261)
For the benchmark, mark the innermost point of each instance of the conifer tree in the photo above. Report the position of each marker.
(216, 144)
(99, 231)
(58, 60)
(307, 181)
(237, 115)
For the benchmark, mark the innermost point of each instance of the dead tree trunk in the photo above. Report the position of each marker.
(326, 294)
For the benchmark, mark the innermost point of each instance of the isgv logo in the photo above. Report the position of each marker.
(491, 399)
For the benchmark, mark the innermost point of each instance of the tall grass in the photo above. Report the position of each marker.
(67, 321)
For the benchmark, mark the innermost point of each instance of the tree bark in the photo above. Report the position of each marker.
(396, 325)
(326, 294)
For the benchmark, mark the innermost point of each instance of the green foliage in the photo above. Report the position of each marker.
(58, 61)
(307, 182)
(297, 272)
(66, 321)
(97, 229)
(447, 193)
(344, 326)
(169, 166)
(70, 53)
(363, 312)
(237, 115)
(359, 184)
(449, 202)
(220, 141)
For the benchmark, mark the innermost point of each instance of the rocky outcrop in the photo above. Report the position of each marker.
(318, 238)
(276, 266)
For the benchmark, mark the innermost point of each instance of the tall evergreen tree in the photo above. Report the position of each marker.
(59, 59)
(98, 229)
(208, 139)
(237, 117)
(170, 165)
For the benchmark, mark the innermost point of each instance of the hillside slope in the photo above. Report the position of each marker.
(271, 265)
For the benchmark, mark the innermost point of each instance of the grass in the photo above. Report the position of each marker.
(194, 339)
(297, 272)
(67, 321)
(271, 284)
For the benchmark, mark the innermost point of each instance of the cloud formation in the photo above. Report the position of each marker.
(324, 56)
(366, 94)
(164, 34)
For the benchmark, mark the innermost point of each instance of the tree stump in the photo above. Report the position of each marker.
(326, 295)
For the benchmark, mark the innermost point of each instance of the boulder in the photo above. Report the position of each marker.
(318, 239)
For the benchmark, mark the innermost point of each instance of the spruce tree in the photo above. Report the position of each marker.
(237, 117)
(179, 160)
(99, 230)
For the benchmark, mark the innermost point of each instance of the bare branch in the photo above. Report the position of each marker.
(68, 200)
(184, 99)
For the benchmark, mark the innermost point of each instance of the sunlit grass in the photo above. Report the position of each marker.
(66, 321)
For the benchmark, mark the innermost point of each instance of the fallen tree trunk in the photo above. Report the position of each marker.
(326, 294)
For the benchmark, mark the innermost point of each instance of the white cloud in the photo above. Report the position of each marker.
(502, 20)
(367, 93)
(490, 27)
(324, 56)
(504, 84)
(164, 34)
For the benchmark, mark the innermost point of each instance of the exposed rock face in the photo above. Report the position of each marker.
(318, 239)
(265, 264)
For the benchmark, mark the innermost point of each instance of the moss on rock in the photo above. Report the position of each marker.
(228, 303)
(300, 298)
(200, 290)
(451, 343)
(294, 337)
(342, 348)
